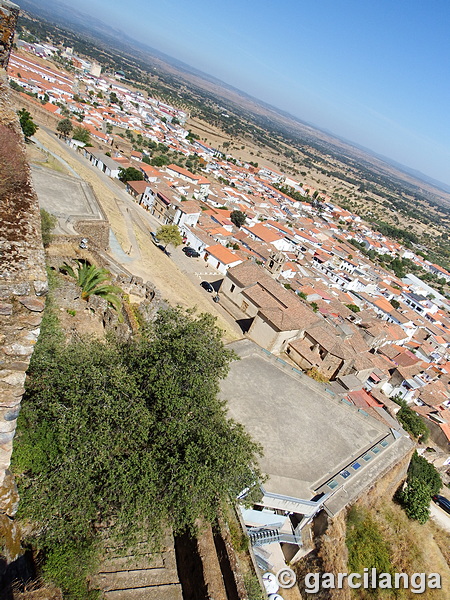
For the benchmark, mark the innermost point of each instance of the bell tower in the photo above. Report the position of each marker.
(275, 262)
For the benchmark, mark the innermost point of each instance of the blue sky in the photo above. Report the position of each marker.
(376, 73)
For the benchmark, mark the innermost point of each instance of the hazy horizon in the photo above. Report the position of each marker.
(373, 75)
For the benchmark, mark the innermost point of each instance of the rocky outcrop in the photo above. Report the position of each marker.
(23, 285)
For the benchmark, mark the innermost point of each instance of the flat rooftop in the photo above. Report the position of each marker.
(309, 436)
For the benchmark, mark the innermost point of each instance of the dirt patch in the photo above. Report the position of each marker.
(43, 159)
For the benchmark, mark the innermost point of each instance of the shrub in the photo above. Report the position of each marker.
(365, 543)
(48, 223)
(68, 566)
(421, 469)
(353, 307)
(253, 587)
(411, 421)
(415, 499)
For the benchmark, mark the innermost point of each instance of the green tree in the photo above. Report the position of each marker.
(130, 174)
(238, 218)
(127, 434)
(29, 127)
(353, 307)
(48, 223)
(415, 499)
(395, 303)
(169, 234)
(92, 281)
(411, 421)
(420, 468)
(65, 127)
(81, 134)
(160, 161)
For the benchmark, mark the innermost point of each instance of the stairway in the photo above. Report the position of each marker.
(261, 536)
(141, 576)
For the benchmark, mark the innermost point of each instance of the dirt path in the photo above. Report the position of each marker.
(440, 517)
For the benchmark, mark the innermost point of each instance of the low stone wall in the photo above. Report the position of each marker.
(23, 285)
(97, 232)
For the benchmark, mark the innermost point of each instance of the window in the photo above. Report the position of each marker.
(333, 484)
(384, 443)
(375, 450)
(232, 288)
(345, 474)
(367, 457)
(356, 466)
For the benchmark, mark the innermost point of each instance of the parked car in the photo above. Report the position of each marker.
(163, 249)
(83, 244)
(207, 286)
(154, 238)
(443, 502)
(191, 252)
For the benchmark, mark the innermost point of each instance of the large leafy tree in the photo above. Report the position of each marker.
(415, 499)
(130, 435)
(422, 483)
(420, 468)
(130, 174)
(65, 127)
(29, 127)
(169, 234)
(238, 218)
(81, 134)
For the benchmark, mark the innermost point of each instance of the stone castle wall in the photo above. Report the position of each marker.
(23, 285)
(9, 14)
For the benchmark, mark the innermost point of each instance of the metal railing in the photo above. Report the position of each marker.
(261, 536)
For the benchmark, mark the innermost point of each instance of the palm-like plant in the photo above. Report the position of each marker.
(91, 280)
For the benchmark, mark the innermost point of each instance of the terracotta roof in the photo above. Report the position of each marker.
(222, 254)
(138, 186)
(264, 233)
(446, 429)
(328, 339)
(362, 399)
(282, 308)
(190, 207)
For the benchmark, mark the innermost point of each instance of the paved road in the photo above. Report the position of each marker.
(440, 517)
